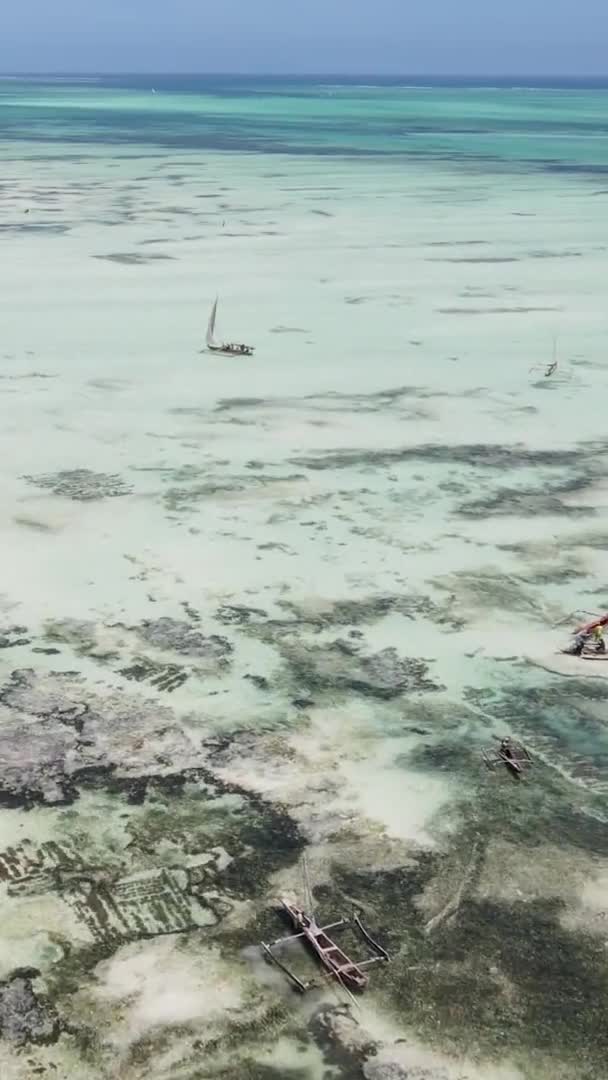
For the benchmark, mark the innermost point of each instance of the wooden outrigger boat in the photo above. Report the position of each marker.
(227, 348)
(349, 973)
(511, 754)
(588, 640)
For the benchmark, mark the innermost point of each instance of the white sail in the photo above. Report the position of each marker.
(211, 325)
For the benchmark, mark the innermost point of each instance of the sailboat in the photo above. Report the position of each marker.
(227, 348)
(548, 368)
(552, 367)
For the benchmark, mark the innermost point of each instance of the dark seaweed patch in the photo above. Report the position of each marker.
(493, 975)
(448, 757)
(558, 982)
(11, 636)
(27, 375)
(368, 609)
(133, 258)
(340, 666)
(288, 330)
(186, 498)
(248, 1069)
(335, 400)
(41, 227)
(492, 591)
(78, 633)
(488, 456)
(239, 614)
(259, 681)
(238, 403)
(528, 502)
(185, 808)
(494, 310)
(81, 484)
(167, 677)
(465, 259)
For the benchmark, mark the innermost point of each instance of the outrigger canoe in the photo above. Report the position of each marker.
(511, 754)
(331, 956)
(584, 647)
(348, 972)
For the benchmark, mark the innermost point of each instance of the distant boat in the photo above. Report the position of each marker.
(227, 348)
(546, 370)
(552, 367)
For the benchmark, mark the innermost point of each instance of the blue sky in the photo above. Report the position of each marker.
(299, 36)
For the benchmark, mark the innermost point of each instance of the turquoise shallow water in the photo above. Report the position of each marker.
(514, 127)
(252, 609)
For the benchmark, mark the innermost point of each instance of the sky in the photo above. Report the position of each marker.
(467, 37)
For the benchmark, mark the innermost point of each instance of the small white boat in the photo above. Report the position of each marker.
(227, 348)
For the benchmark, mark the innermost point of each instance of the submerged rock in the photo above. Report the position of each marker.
(389, 1070)
(377, 1070)
(344, 1042)
(56, 732)
(182, 637)
(24, 1018)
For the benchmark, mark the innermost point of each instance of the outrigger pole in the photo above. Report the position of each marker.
(301, 986)
(382, 953)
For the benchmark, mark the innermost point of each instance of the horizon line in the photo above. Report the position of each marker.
(314, 74)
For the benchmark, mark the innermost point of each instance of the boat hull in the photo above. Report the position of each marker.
(226, 350)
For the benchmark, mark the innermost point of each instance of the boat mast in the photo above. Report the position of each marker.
(309, 900)
(211, 324)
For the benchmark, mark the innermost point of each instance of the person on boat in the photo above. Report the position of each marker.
(580, 641)
(598, 642)
(506, 747)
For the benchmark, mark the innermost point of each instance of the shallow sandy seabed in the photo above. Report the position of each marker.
(256, 607)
